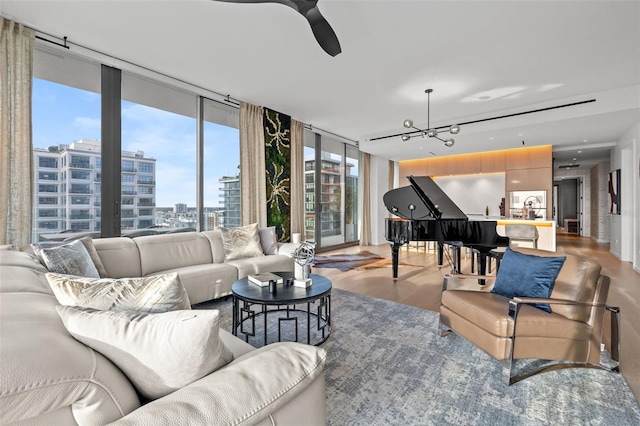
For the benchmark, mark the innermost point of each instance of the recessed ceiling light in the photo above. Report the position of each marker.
(491, 138)
(519, 134)
(484, 97)
(580, 152)
(584, 140)
(574, 159)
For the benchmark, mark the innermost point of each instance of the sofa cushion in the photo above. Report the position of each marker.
(207, 281)
(257, 265)
(527, 275)
(71, 258)
(168, 251)
(241, 242)
(21, 259)
(46, 371)
(120, 256)
(244, 392)
(268, 240)
(159, 293)
(160, 353)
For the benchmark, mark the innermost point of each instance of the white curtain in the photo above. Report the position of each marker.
(16, 153)
(253, 182)
(365, 191)
(297, 177)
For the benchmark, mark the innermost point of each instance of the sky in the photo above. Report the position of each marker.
(62, 115)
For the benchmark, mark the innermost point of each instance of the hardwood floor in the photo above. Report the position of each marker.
(420, 286)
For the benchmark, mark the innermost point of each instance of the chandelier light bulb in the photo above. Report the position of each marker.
(453, 129)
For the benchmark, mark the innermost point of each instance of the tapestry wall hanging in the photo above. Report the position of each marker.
(277, 136)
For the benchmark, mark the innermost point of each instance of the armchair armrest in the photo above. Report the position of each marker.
(534, 300)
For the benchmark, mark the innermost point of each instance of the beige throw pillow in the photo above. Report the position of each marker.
(159, 353)
(241, 242)
(156, 293)
(72, 258)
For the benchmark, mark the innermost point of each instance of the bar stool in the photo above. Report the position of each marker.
(522, 233)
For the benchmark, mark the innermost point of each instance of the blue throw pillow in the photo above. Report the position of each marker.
(526, 275)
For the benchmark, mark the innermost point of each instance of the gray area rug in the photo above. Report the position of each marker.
(388, 365)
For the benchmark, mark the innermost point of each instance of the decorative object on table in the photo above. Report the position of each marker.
(263, 279)
(486, 211)
(273, 286)
(303, 257)
(532, 206)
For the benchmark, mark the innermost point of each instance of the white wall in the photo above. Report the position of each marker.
(379, 169)
(625, 228)
(474, 193)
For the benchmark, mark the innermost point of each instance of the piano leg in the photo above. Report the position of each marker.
(482, 266)
(440, 252)
(395, 248)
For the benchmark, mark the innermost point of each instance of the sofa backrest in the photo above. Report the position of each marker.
(168, 251)
(578, 280)
(217, 246)
(120, 256)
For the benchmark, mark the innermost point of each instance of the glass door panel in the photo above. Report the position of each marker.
(309, 186)
(332, 204)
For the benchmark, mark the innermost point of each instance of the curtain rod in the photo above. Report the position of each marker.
(492, 118)
(226, 99)
(65, 45)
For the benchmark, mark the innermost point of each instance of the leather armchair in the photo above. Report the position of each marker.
(513, 329)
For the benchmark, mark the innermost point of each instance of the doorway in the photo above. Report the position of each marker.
(569, 208)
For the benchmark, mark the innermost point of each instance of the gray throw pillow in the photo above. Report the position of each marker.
(159, 353)
(155, 293)
(71, 258)
(241, 242)
(268, 240)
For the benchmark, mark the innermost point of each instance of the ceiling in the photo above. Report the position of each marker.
(482, 59)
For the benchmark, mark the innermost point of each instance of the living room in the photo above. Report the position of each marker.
(525, 77)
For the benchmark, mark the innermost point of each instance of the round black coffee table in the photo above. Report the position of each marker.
(296, 309)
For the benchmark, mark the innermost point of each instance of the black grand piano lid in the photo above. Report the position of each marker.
(423, 200)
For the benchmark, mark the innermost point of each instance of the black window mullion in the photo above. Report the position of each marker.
(111, 136)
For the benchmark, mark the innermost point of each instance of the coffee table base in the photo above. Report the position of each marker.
(250, 319)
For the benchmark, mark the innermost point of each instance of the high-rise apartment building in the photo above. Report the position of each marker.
(231, 215)
(68, 189)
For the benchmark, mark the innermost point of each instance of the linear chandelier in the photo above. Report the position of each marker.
(431, 132)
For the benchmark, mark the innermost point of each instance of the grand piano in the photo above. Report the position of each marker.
(426, 213)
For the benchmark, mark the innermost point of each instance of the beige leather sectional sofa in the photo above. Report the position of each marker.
(197, 257)
(48, 377)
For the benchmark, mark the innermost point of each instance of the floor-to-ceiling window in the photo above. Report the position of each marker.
(66, 127)
(158, 172)
(331, 191)
(222, 204)
(159, 148)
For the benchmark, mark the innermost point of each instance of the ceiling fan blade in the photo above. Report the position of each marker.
(321, 29)
(323, 32)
